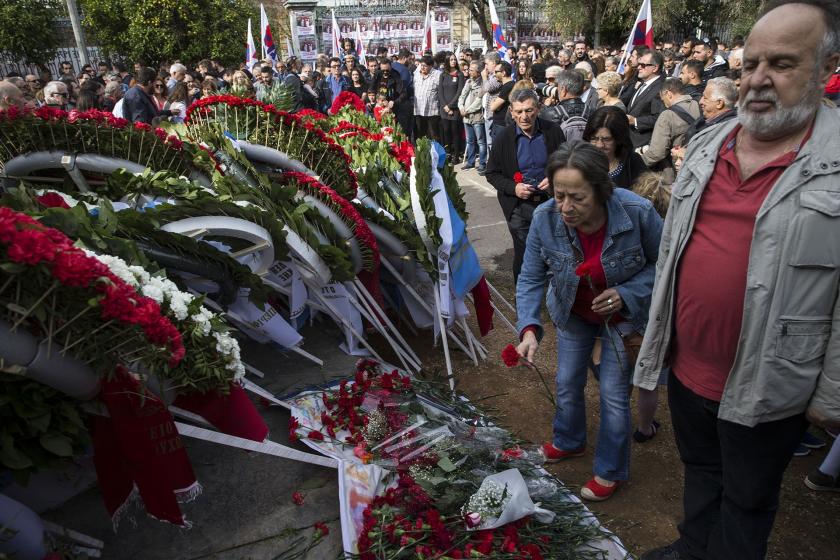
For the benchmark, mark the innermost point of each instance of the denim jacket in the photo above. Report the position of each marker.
(631, 246)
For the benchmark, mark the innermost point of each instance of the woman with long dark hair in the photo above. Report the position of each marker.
(357, 82)
(451, 124)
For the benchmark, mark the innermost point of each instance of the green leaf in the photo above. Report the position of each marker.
(11, 457)
(58, 444)
(41, 423)
(107, 216)
(12, 268)
(445, 463)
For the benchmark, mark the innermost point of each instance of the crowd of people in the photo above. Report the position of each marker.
(733, 284)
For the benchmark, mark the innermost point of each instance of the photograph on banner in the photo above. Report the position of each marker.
(388, 29)
(305, 22)
(444, 41)
(308, 48)
(442, 19)
(417, 25)
(417, 47)
(346, 26)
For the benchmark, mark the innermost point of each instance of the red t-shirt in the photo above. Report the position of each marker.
(592, 245)
(712, 274)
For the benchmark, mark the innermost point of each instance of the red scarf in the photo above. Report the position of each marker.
(233, 414)
(483, 306)
(138, 446)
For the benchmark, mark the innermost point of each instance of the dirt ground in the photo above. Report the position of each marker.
(644, 513)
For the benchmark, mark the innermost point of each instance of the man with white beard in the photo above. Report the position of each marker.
(745, 306)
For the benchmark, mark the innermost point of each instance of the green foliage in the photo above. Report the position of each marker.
(26, 29)
(613, 19)
(158, 30)
(40, 428)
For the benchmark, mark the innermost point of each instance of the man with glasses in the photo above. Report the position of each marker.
(714, 65)
(56, 95)
(500, 105)
(332, 85)
(33, 83)
(645, 103)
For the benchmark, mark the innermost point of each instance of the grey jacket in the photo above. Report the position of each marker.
(789, 352)
(669, 131)
(469, 102)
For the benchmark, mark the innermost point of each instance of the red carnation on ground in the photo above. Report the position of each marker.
(293, 426)
(315, 435)
(518, 178)
(298, 498)
(510, 356)
(347, 98)
(321, 529)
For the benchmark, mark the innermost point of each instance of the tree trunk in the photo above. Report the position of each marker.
(478, 13)
(596, 35)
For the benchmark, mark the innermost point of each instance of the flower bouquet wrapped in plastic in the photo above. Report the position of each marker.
(502, 498)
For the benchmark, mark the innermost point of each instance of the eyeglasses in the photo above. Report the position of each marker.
(33, 81)
(58, 93)
(645, 65)
(158, 86)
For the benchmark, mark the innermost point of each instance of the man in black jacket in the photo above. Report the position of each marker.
(388, 82)
(137, 101)
(516, 167)
(645, 104)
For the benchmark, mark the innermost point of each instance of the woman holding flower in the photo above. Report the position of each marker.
(597, 246)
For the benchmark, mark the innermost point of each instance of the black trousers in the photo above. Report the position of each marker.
(518, 224)
(733, 474)
(451, 135)
(405, 118)
(428, 127)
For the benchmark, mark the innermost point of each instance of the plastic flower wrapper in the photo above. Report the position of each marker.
(498, 508)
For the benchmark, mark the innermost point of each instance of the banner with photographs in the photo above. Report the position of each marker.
(392, 32)
(305, 24)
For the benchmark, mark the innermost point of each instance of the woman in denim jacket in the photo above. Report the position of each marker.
(615, 234)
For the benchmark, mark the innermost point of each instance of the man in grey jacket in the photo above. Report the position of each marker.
(745, 305)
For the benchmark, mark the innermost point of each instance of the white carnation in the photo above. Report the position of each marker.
(154, 292)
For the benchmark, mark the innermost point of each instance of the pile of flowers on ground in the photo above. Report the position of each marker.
(438, 501)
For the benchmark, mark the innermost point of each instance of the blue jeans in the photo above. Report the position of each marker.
(488, 127)
(476, 137)
(574, 349)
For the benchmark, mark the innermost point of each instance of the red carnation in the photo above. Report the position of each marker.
(510, 356)
(315, 435)
(583, 269)
(142, 126)
(321, 530)
(347, 98)
(52, 200)
(297, 498)
(293, 426)
(518, 178)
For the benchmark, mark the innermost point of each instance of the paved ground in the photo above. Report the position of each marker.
(246, 510)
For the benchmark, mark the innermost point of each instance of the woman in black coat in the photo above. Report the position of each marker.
(609, 130)
(452, 125)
